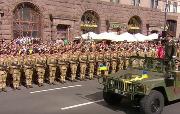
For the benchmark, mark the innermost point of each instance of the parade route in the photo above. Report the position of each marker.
(82, 97)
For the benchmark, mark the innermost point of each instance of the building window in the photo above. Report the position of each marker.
(63, 31)
(168, 6)
(136, 2)
(114, 1)
(135, 25)
(26, 21)
(175, 7)
(154, 3)
(172, 26)
(90, 22)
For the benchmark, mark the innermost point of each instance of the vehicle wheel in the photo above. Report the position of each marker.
(153, 103)
(111, 98)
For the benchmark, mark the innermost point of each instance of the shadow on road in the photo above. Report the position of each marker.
(125, 105)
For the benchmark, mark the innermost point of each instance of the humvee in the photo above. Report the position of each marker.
(147, 81)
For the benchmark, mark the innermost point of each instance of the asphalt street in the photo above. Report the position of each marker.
(82, 97)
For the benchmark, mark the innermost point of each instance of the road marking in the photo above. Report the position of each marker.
(79, 105)
(56, 89)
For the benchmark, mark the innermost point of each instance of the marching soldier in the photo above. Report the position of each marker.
(63, 65)
(73, 64)
(99, 60)
(126, 59)
(3, 73)
(40, 65)
(141, 54)
(28, 69)
(15, 71)
(91, 61)
(107, 60)
(120, 60)
(52, 64)
(114, 56)
(83, 64)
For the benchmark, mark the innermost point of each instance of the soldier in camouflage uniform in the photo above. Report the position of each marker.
(126, 59)
(73, 64)
(120, 60)
(40, 66)
(15, 70)
(107, 60)
(52, 64)
(99, 60)
(3, 73)
(114, 56)
(91, 61)
(28, 69)
(63, 65)
(83, 64)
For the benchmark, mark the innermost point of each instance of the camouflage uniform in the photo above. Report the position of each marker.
(28, 69)
(91, 61)
(120, 60)
(63, 65)
(141, 62)
(114, 56)
(73, 65)
(40, 68)
(3, 74)
(15, 71)
(83, 65)
(99, 60)
(107, 60)
(52, 64)
(126, 62)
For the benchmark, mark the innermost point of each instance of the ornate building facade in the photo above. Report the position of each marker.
(53, 19)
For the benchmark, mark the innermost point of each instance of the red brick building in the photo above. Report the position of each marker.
(52, 19)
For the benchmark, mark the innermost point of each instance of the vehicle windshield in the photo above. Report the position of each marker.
(147, 63)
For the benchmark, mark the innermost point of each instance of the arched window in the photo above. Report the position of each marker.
(26, 21)
(90, 22)
(134, 25)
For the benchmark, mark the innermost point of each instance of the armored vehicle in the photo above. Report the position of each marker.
(148, 81)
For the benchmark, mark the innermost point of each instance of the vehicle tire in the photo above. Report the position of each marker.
(111, 98)
(152, 103)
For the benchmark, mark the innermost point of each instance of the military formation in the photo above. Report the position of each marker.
(39, 64)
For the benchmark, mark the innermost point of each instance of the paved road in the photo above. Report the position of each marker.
(71, 98)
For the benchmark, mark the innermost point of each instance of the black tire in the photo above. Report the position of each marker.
(153, 103)
(112, 98)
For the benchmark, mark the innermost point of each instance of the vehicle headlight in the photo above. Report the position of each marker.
(112, 82)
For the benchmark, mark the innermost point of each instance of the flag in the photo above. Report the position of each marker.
(102, 67)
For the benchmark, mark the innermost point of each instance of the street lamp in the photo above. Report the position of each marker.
(165, 19)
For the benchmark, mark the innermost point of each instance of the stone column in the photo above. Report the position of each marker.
(54, 32)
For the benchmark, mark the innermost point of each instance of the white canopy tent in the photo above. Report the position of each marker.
(125, 37)
(153, 36)
(90, 35)
(106, 36)
(141, 37)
